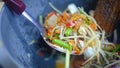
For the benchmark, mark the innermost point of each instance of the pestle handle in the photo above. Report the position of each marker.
(16, 5)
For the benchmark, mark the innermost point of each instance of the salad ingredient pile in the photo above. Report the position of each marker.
(76, 31)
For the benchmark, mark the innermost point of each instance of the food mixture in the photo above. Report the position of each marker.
(77, 32)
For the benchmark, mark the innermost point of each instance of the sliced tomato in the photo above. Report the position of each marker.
(70, 24)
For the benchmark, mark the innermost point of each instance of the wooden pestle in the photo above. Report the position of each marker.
(107, 14)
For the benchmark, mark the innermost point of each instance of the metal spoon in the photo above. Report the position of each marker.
(19, 8)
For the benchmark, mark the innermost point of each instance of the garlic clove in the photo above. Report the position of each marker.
(72, 8)
(89, 52)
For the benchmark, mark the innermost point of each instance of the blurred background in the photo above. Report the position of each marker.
(5, 60)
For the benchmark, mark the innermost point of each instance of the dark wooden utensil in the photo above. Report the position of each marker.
(107, 14)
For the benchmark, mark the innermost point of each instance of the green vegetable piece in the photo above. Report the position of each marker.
(81, 12)
(40, 19)
(116, 49)
(48, 37)
(56, 35)
(68, 31)
(106, 49)
(62, 44)
(87, 21)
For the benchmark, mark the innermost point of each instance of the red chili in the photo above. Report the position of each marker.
(68, 24)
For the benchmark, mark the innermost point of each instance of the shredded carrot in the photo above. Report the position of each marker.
(48, 34)
(93, 26)
(78, 24)
(74, 17)
(49, 30)
(65, 16)
(62, 18)
(72, 43)
(59, 19)
(57, 31)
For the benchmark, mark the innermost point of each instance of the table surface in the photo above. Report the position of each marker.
(5, 60)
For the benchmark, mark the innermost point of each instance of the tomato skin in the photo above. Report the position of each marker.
(118, 53)
(70, 24)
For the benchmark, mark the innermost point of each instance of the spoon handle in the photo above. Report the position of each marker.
(19, 8)
(16, 5)
(33, 21)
